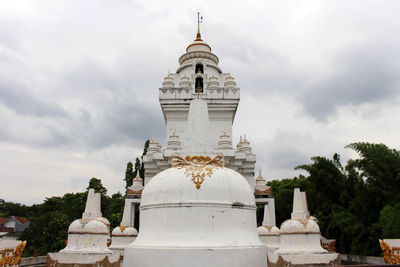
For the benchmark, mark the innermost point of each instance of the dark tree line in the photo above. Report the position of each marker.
(50, 220)
(356, 204)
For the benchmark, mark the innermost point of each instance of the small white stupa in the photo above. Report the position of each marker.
(173, 142)
(261, 188)
(87, 239)
(224, 141)
(300, 239)
(197, 213)
(269, 233)
(123, 234)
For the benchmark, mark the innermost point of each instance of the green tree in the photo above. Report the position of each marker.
(389, 221)
(50, 220)
(97, 186)
(131, 171)
(137, 167)
(129, 175)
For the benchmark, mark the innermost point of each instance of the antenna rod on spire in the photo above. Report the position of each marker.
(199, 20)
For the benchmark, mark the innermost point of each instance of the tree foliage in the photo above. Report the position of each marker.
(356, 204)
(132, 170)
(51, 219)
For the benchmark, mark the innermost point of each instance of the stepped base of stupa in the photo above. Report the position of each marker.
(196, 257)
(83, 259)
(303, 259)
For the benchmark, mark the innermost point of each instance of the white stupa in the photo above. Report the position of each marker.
(87, 239)
(197, 213)
(124, 234)
(269, 233)
(300, 239)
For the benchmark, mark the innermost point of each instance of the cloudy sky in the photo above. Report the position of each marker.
(79, 82)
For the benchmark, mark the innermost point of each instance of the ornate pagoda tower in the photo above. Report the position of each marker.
(199, 129)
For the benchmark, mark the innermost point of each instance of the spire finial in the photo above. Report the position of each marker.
(199, 20)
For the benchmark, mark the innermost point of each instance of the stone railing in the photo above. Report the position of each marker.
(33, 261)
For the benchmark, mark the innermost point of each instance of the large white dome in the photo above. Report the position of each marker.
(197, 211)
(225, 186)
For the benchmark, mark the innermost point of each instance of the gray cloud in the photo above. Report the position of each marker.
(364, 75)
(80, 81)
(16, 96)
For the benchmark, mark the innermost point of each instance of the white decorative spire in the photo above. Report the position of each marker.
(261, 188)
(154, 146)
(137, 184)
(168, 81)
(125, 216)
(196, 139)
(173, 142)
(267, 218)
(300, 209)
(224, 141)
(238, 146)
(230, 82)
(213, 81)
(98, 204)
(245, 146)
(92, 210)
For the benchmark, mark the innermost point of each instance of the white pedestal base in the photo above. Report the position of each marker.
(195, 257)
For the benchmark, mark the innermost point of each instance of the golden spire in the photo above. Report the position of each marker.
(199, 20)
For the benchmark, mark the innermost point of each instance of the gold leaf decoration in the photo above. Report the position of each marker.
(123, 228)
(198, 166)
(269, 227)
(11, 256)
(389, 256)
(303, 221)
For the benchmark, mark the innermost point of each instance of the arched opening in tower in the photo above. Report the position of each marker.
(199, 68)
(199, 85)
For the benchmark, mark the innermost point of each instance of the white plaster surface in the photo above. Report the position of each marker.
(122, 238)
(180, 225)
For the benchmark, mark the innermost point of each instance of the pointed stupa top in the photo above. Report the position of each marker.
(300, 207)
(93, 204)
(198, 36)
(268, 228)
(198, 49)
(267, 218)
(198, 44)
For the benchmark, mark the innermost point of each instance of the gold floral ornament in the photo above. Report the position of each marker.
(198, 166)
(10, 256)
(389, 255)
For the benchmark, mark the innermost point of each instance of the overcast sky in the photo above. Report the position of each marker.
(79, 82)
